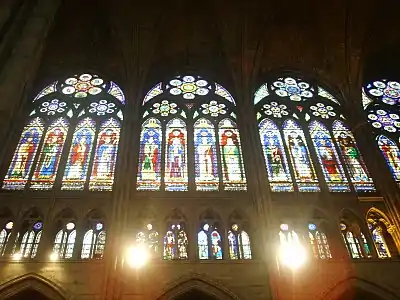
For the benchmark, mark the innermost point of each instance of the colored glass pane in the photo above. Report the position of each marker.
(155, 91)
(149, 168)
(47, 90)
(176, 177)
(189, 87)
(5, 234)
(387, 91)
(275, 157)
(206, 165)
(365, 245)
(216, 245)
(379, 242)
(116, 91)
(233, 245)
(79, 155)
(202, 245)
(261, 93)
(352, 158)
(328, 158)
(296, 90)
(305, 176)
(175, 243)
(382, 119)
(102, 177)
(244, 245)
(221, 91)
(231, 157)
(391, 153)
(49, 157)
(24, 155)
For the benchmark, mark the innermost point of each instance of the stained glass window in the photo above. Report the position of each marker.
(319, 242)
(391, 153)
(149, 238)
(94, 242)
(239, 243)
(176, 243)
(102, 177)
(300, 157)
(24, 156)
(352, 242)
(29, 243)
(231, 156)
(79, 155)
(195, 117)
(209, 243)
(64, 241)
(90, 104)
(176, 176)
(304, 111)
(352, 158)
(49, 158)
(328, 158)
(381, 104)
(5, 234)
(379, 241)
(206, 164)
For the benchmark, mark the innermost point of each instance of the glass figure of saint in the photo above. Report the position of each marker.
(231, 156)
(176, 155)
(328, 159)
(107, 147)
(392, 155)
(150, 166)
(299, 154)
(352, 157)
(79, 155)
(24, 155)
(275, 157)
(205, 155)
(51, 153)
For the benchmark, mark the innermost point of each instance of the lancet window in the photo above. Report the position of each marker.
(189, 138)
(303, 133)
(71, 137)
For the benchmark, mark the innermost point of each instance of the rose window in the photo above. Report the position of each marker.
(189, 87)
(82, 86)
(389, 91)
(52, 107)
(384, 120)
(102, 107)
(320, 110)
(213, 108)
(275, 109)
(289, 87)
(165, 108)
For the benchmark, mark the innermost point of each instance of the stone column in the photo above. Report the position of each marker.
(20, 69)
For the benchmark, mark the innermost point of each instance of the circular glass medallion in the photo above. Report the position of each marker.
(9, 225)
(68, 90)
(71, 81)
(188, 79)
(85, 77)
(70, 226)
(99, 226)
(94, 90)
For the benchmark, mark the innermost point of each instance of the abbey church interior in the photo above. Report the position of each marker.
(214, 150)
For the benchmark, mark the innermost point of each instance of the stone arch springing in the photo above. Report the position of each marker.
(35, 282)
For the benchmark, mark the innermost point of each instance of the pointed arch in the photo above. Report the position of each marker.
(195, 117)
(35, 282)
(209, 238)
(65, 236)
(94, 239)
(354, 284)
(199, 282)
(305, 111)
(82, 104)
(176, 238)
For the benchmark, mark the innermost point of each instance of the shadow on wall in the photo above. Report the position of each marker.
(194, 294)
(29, 294)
